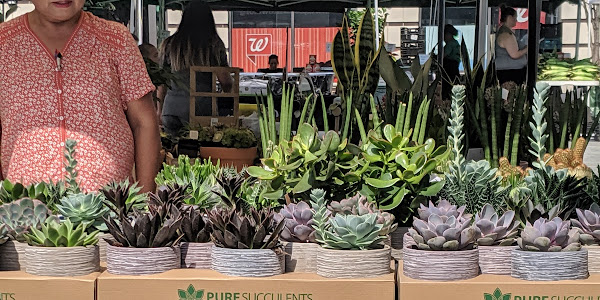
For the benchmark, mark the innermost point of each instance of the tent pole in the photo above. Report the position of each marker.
(535, 9)
(140, 20)
(578, 31)
(376, 6)
(441, 22)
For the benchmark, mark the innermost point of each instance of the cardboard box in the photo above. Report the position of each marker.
(497, 287)
(211, 285)
(19, 285)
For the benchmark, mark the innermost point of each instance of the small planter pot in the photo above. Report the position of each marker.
(239, 158)
(196, 255)
(301, 257)
(142, 261)
(353, 263)
(593, 259)
(549, 266)
(102, 245)
(495, 259)
(62, 261)
(12, 256)
(247, 262)
(440, 265)
(398, 237)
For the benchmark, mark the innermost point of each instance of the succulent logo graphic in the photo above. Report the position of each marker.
(497, 295)
(191, 293)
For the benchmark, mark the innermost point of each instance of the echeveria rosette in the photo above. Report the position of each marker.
(549, 236)
(493, 230)
(444, 208)
(443, 233)
(359, 205)
(588, 224)
(298, 223)
(21, 215)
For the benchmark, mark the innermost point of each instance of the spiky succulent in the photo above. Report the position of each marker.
(588, 224)
(236, 229)
(344, 232)
(22, 215)
(529, 213)
(66, 234)
(444, 208)
(125, 193)
(492, 231)
(298, 219)
(194, 227)
(84, 208)
(167, 196)
(359, 205)
(443, 233)
(230, 186)
(549, 236)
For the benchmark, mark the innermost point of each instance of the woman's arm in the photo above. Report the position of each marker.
(141, 116)
(509, 42)
(225, 80)
(161, 92)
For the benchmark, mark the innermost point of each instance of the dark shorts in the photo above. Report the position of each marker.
(517, 76)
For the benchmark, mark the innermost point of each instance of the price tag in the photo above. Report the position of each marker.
(193, 135)
(504, 94)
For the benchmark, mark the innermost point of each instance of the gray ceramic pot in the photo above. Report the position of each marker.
(495, 259)
(142, 261)
(593, 259)
(301, 257)
(549, 266)
(440, 265)
(62, 261)
(196, 255)
(353, 263)
(247, 262)
(12, 256)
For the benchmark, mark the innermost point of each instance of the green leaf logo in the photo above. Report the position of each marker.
(497, 295)
(190, 293)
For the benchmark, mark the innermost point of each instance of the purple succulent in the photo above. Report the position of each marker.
(588, 224)
(298, 223)
(549, 236)
(494, 231)
(444, 208)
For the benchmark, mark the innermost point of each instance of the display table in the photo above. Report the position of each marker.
(19, 285)
(476, 288)
(573, 83)
(215, 286)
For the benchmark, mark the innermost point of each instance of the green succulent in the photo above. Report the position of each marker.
(307, 162)
(22, 215)
(10, 192)
(358, 205)
(84, 208)
(345, 232)
(66, 234)
(124, 193)
(398, 169)
(3, 234)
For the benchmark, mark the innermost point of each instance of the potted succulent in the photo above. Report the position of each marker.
(444, 246)
(588, 224)
(496, 238)
(549, 250)
(196, 245)
(145, 242)
(351, 245)
(18, 218)
(62, 249)
(246, 238)
(232, 146)
(298, 237)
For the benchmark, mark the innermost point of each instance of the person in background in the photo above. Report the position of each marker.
(312, 66)
(273, 65)
(451, 61)
(511, 55)
(196, 43)
(52, 93)
(149, 51)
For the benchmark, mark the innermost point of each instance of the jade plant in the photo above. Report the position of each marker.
(588, 224)
(358, 205)
(299, 222)
(85, 209)
(307, 162)
(344, 232)
(493, 230)
(61, 234)
(20, 216)
(549, 236)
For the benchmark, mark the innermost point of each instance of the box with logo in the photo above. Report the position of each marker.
(18, 285)
(497, 287)
(210, 285)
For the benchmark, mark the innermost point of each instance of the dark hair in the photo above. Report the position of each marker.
(273, 56)
(196, 41)
(506, 11)
(450, 29)
(145, 49)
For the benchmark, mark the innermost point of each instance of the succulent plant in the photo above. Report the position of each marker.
(549, 236)
(588, 224)
(531, 213)
(3, 232)
(492, 231)
(84, 208)
(345, 232)
(10, 192)
(22, 215)
(444, 208)
(442, 232)
(66, 234)
(236, 229)
(124, 190)
(194, 227)
(230, 186)
(299, 222)
(167, 196)
(359, 205)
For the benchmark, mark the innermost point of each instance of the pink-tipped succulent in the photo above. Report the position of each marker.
(444, 208)
(549, 236)
(494, 231)
(588, 224)
(298, 223)
(359, 206)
